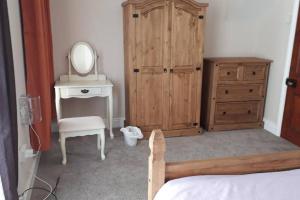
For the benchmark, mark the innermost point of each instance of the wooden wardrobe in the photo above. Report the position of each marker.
(163, 42)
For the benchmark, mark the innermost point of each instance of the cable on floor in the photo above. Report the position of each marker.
(52, 190)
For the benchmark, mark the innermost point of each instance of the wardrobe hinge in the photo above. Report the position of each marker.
(135, 15)
(136, 70)
(201, 16)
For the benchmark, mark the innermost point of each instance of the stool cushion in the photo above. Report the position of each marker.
(80, 124)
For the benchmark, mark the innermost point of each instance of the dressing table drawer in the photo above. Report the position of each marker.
(78, 91)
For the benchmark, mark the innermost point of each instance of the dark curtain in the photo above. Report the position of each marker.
(39, 64)
(8, 113)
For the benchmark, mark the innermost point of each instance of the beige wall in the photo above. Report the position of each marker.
(27, 166)
(261, 28)
(233, 28)
(98, 22)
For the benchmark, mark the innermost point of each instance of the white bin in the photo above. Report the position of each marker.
(131, 134)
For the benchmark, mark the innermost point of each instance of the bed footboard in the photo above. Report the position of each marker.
(157, 164)
(160, 171)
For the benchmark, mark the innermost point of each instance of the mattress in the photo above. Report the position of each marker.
(283, 185)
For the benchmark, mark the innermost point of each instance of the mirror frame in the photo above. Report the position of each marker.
(72, 51)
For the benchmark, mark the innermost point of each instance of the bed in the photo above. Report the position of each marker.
(254, 177)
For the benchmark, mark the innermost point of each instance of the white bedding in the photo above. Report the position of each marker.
(263, 186)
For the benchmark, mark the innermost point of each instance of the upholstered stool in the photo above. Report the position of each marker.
(81, 126)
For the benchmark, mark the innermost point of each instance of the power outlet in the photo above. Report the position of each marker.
(25, 153)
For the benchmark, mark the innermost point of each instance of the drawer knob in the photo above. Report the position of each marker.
(254, 73)
(84, 91)
(249, 111)
(251, 90)
(226, 91)
(224, 113)
(228, 73)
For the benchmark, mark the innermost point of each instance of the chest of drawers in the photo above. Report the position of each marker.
(234, 92)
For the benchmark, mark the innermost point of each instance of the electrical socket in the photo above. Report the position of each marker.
(25, 153)
(29, 153)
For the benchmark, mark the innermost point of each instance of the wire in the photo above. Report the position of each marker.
(37, 136)
(43, 181)
(56, 184)
(38, 178)
(38, 188)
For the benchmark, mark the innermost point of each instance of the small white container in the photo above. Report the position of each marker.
(131, 135)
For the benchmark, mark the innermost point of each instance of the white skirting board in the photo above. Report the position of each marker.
(30, 182)
(272, 127)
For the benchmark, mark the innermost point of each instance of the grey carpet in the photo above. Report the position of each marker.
(123, 175)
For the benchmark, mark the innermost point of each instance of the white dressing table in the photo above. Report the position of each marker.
(83, 58)
(74, 86)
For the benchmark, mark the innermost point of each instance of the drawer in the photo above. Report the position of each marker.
(237, 112)
(254, 72)
(228, 73)
(78, 91)
(240, 92)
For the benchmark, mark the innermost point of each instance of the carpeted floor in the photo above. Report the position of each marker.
(123, 175)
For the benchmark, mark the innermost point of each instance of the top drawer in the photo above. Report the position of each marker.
(242, 72)
(254, 72)
(228, 73)
(80, 92)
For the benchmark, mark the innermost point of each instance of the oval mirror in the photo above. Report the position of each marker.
(82, 57)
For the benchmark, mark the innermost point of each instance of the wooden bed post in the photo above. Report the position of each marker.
(157, 164)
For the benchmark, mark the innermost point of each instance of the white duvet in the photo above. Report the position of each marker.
(263, 186)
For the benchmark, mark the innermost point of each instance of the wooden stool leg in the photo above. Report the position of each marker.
(102, 140)
(98, 141)
(63, 150)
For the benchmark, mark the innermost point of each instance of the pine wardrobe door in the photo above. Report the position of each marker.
(186, 65)
(151, 57)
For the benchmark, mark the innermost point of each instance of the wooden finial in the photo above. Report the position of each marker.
(157, 164)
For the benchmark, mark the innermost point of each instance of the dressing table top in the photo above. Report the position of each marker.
(98, 83)
(66, 81)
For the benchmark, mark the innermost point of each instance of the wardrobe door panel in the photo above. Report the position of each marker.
(182, 98)
(186, 64)
(184, 36)
(152, 80)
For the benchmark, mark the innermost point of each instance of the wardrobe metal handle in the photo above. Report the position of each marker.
(165, 70)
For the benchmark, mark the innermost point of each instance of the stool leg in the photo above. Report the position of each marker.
(63, 150)
(98, 141)
(102, 140)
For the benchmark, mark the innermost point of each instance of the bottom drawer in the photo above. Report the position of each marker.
(237, 112)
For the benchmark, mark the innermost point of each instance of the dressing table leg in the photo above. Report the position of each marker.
(110, 115)
(63, 150)
(102, 145)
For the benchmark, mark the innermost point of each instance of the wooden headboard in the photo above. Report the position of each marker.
(160, 171)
